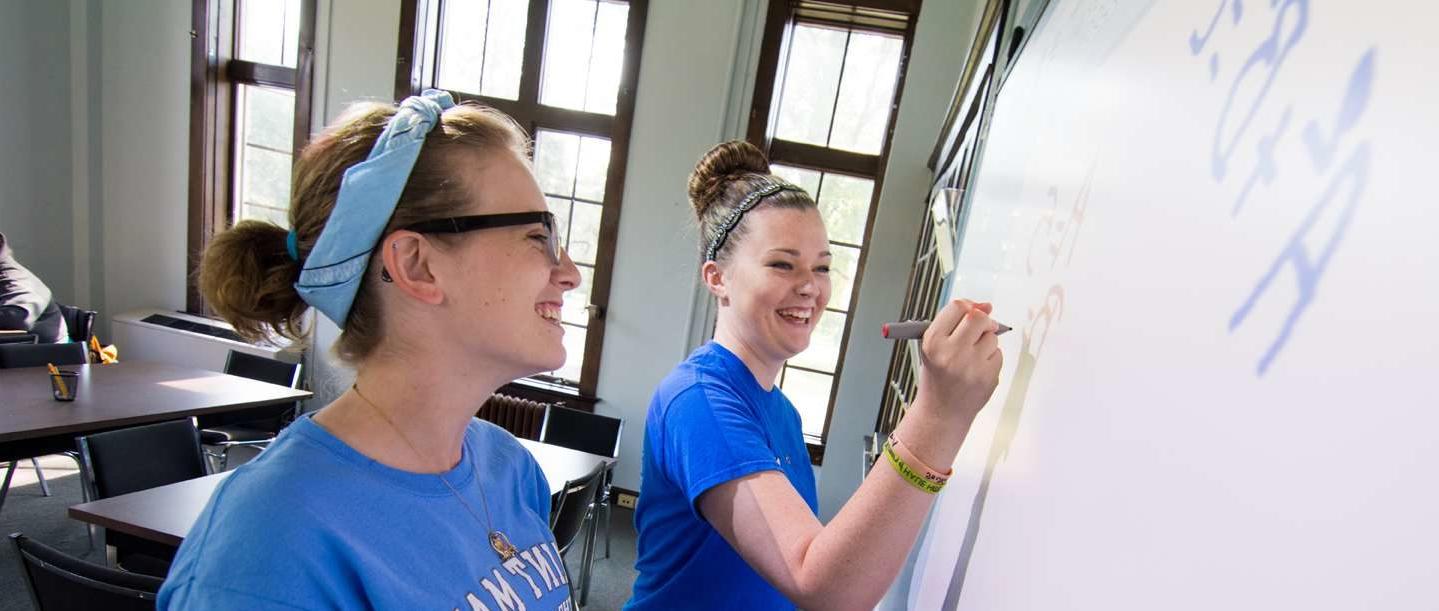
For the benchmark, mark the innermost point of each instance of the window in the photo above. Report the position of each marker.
(249, 113)
(828, 85)
(565, 70)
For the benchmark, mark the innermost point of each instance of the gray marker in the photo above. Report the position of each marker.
(914, 329)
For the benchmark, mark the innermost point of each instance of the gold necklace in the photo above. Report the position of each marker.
(498, 541)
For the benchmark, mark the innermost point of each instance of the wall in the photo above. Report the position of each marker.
(935, 64)
(680, 112)
(35, 159)
(144, 129)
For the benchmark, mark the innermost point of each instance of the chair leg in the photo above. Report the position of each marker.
(5, 488)
(40, 475)
(587, 559)
(606, 509)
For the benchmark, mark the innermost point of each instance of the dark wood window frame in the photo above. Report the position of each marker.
(782, 15)
(416, 70)
(214, 74)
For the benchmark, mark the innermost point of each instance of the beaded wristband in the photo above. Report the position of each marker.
(915, 479)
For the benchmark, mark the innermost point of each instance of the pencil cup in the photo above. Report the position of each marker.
(64, 385)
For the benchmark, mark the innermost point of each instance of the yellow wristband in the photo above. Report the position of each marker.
(915, 479)
(910, 458)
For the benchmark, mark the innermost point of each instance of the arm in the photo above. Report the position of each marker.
(850, 562)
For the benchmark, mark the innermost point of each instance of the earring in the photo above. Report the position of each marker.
(385, 275)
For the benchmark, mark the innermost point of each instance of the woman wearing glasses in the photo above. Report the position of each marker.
(422, 234)
(726, 515)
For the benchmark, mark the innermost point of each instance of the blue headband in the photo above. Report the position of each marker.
(369, 192)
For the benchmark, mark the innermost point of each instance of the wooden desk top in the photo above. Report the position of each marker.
(124, 394)
(166, 514)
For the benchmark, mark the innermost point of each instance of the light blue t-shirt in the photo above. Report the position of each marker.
(709, 422)
(313, 524)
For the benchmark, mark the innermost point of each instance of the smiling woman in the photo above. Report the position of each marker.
(421, 232)
(726, 516)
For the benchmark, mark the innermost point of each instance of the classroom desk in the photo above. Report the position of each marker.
(129, 393)
(166, 514)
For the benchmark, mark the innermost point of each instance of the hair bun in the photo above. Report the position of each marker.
(719, 166)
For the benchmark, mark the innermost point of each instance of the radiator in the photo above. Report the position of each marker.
(521, 417)
(174, 338)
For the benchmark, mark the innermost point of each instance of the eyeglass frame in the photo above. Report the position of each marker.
(475, 222)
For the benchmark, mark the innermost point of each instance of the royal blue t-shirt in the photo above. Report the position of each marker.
(313, 524)
(709, 422)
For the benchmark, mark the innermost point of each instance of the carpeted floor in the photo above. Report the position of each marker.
(44, 519)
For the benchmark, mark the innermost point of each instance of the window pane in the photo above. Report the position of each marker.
(607, 58)
(265, 213)
(269, 117)
(556, 156)
(809, 392)
(574, 354)
(842, 269)
(844, 204)
(505, 48)
(594, 165)
(462, 44)
(823, 350)
(805, 179)
(263, 139)
(567, 53)
(269, 31)
(811, 80)
(482, 46)
(871, 68)
(585, 232)
(584, 52)
(575, 301)
(560, 207)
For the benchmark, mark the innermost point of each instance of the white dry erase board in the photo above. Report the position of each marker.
(1214, 226)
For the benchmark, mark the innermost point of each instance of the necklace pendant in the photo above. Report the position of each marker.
(502, 546)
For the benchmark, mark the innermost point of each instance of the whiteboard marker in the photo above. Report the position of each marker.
(914, 329)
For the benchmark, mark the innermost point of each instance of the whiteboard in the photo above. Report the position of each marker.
(1213, 226)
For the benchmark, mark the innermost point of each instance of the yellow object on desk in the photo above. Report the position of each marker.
(59, 380)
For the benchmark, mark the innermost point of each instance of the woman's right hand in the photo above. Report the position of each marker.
(960, 359)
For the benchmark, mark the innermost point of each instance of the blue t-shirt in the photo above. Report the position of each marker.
(313, 524)
(709, 422)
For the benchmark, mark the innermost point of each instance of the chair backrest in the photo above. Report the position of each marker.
(575, 502)
(582, 431)
(36, 355)
(141, 457)
(264, 369)
(18, 338)
(270, 418)
(79, 321)
(60, 582)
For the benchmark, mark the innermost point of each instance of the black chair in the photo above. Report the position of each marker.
(572, 513)
(591, 433)
(138, 458)
(253, 427)
(60, 582)
(79, 321)
(18, 338)
(37, 355)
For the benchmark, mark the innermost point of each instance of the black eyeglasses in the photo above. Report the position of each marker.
(462, 224)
